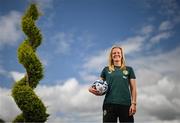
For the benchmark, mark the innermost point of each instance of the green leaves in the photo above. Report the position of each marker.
(33, 109)
(32, 11)
(30, 61)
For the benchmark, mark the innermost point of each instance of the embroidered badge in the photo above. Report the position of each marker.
(109, 72)
(125, 72)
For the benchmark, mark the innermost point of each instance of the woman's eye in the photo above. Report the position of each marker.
(116, 53)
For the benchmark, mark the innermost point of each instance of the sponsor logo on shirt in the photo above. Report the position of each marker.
(125, 77)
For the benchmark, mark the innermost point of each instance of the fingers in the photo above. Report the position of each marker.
(94, 91)
(132, 111)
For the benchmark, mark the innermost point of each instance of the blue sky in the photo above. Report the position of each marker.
(77, 35)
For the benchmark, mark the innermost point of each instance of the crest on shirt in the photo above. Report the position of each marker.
(109, 72)
(125, 72)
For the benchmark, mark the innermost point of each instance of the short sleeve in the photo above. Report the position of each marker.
(103, 74)
(131, 73)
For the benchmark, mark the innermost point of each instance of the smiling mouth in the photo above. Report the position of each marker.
(116, 56)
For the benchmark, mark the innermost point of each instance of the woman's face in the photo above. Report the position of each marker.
(116, 54)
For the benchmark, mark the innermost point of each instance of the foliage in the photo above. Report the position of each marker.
(33, 109)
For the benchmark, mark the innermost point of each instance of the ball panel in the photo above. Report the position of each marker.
(101, 86)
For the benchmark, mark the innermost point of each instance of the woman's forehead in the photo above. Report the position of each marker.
(116, 49)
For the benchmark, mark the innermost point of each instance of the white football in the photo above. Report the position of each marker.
(101, 86)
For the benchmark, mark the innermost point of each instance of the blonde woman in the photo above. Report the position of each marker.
(120, 99)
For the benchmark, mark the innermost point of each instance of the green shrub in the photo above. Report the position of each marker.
(33, 109)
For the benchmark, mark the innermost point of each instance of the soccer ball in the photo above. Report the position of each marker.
(101, 86)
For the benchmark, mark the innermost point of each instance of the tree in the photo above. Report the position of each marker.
(33, 109)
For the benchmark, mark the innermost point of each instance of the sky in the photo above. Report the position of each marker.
(77, 37)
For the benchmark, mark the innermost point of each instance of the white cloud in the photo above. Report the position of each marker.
(176, 102)
(157, 106)
(146, 74)
(10, 31)
(146, 30)
(88, 77)
(157, 80)
(96, 62)
(162, 62)
(63, 42)
(165, 25)
(163, 86)
(159, 37)
(155, 99)
(7, 105)
(16, 75)
(66, 41)
(133, 44)
(71, 102)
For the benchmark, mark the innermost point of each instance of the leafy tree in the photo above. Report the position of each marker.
(33, 109)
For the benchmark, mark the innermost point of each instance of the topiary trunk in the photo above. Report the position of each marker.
(33, 110)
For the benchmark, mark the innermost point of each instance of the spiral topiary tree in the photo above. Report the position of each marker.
(33, 110)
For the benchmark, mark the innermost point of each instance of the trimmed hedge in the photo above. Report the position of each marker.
(33, 109)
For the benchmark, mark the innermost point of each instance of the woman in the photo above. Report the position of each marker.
(120, 99)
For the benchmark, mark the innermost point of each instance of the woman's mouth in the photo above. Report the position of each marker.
(117, 56)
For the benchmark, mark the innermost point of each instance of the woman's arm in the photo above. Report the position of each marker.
(133, 90)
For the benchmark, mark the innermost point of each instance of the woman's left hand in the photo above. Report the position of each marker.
(132, 109)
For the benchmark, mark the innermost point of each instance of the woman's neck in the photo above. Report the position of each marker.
(117, 63)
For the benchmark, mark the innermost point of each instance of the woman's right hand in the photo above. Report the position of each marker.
(94, 91)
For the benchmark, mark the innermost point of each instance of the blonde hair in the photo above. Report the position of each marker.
(111, 64)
